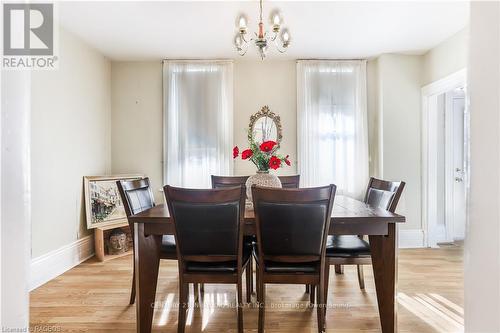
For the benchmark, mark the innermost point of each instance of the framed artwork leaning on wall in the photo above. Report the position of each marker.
(103, 205)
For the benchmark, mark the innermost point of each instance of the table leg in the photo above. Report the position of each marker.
(147, 261)
(384, 261)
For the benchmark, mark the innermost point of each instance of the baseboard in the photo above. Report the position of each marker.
(53, 264)
(411, 238)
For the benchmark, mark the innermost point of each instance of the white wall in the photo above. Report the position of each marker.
(394, 111)
(482, 242)
(70, 138)
(446, 58)
(137, 121)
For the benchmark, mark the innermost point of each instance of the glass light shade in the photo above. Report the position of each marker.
(242, 22)
(285, 36)
(276, 18)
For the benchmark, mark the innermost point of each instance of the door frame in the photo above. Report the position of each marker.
(429, 152)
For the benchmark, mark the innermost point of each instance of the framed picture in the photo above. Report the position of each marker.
(103, 205)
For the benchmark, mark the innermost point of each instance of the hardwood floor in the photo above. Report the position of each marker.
(93, 297)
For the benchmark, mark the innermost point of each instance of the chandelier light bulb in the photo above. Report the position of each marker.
(242, 23)
(276, 20)
(285, 37)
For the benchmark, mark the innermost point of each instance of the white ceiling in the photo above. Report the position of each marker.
(205, 29)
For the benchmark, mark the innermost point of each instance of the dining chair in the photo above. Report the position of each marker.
(290, 181)
(137, 196)
(229, 181)
(208, 229)
(352, 249)
(292, 228)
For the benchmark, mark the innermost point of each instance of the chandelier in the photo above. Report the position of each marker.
(280, 36)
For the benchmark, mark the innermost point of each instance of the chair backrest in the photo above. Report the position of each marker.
(208, 224)
(384, 194)
(292, 224)
(290, 181)
(136, 195)
(228, 181)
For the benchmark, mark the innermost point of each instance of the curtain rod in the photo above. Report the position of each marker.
(322, 59)
(198, 60)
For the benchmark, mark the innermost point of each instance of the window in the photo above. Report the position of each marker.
(198, 114)
(332, 125)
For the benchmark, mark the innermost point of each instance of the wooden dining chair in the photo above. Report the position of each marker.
(354, 250)
(229, 181)
(290, 181)
(292, 228)
(208, 229)
(136, 196)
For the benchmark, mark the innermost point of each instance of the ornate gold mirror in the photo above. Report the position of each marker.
(265, 125)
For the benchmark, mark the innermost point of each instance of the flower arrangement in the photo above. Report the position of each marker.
(264, 156)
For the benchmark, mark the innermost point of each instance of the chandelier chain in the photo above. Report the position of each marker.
(261, 11)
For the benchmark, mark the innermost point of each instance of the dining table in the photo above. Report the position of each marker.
(349, 217)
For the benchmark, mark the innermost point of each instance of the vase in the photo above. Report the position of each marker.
(261, 178)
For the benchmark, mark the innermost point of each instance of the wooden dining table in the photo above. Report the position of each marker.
(349, 217)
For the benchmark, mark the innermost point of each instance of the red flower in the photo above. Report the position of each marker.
(287, 161)
(247, 153)
(236, 151)
(267, 146)
(274, 162)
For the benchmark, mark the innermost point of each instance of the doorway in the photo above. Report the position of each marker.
(444, 156)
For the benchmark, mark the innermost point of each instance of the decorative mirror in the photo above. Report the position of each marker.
(265, 125)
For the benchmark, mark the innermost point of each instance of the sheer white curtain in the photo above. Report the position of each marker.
(332, 128)
(198, 116)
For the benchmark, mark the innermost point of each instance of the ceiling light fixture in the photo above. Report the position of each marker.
(280, 37)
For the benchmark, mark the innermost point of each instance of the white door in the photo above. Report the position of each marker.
(458, 107)
(455, 185)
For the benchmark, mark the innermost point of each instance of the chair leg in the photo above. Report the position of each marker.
(240, 305)
(361, 277)
(202, 288)
(339, 269)
(196, 292)
(183, 306)
(312, 295)
(320, 305)
(327, 280)
(132, 290)
(249, 280)
(307, 289)
(261, 299)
